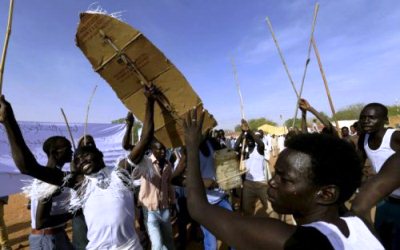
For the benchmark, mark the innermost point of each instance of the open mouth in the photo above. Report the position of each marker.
(86, 167)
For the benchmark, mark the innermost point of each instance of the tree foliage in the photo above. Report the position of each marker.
(255, 123)
(289, 123)
(393, 110)
(351, 112)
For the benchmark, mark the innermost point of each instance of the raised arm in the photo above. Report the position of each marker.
(239, 141)
(146, 137)
(127, 143)
(378, 187)
(257, 139)
(303, 107)
(327, 124)
(23, 157)
(255, 233)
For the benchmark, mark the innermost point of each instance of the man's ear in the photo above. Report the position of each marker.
(327, 195)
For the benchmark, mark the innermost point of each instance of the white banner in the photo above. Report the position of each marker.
(108, 138)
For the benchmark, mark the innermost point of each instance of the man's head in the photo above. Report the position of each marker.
(89, 141)
(158, 150)
(261, 132)
(250, 142)
(373, 117)
(88, 160)
(58, 149)
(345, 131)
(313, 170)
(221, 134)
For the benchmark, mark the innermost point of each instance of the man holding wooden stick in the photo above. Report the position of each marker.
(255, 183)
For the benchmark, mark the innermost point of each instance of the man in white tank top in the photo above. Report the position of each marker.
(314, 176)
(380, 144)
(255, 184)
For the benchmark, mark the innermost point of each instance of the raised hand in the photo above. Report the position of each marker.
(151, 92)
(130, 119)
(193, 126)
(5, 109)
(244, 126)
(304, 105)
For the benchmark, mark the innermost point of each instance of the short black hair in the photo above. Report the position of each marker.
(379, 106)
(88, 149)
(49, 143)
(333, 162)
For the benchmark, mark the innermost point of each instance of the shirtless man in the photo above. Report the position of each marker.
(314, 175)
(381, 146)
(101, 191)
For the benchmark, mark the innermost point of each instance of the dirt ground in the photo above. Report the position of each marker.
(18, 221)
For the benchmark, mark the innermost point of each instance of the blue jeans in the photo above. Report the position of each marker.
(210, 241)
(58, 241)
(159, 229)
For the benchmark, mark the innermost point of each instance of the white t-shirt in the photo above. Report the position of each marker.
(256, 167)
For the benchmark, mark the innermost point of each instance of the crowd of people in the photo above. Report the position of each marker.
(133, 204)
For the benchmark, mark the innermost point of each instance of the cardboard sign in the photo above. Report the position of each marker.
(128, 61)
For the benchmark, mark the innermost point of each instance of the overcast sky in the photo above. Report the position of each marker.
(359, 44)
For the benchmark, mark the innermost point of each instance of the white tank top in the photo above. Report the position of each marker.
(109, 214)
(256, 167)
(360, 236)
(380, 155)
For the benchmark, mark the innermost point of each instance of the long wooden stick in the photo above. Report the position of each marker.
(5, 46)
(281, 55)
(69, 129)
(307, 61)
(242, 167)
(87, 115)
(238, 87)
(328, 93)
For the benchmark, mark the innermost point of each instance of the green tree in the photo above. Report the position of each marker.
(351, 112)
(255, 123)
(289, 123)
(393, 110)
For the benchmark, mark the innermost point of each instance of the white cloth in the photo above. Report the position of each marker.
(108, 138)
(256, 167)
(38, 190)
(381, 154)
(281, 143)
(109, 208)
(207, 169)
(360, 236)
(267, 147)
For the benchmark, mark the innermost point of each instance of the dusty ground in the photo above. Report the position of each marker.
(18, 220)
